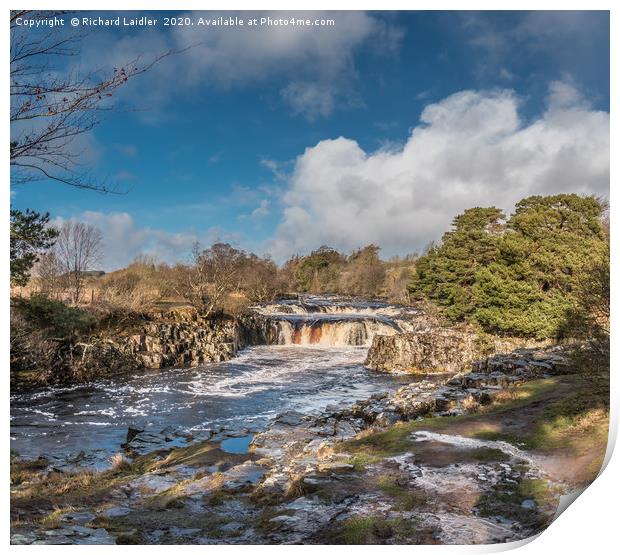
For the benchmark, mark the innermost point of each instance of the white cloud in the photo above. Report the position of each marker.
(311, 99)
(123, 240)
(261, 211)
(312, 67)
(565, 39)
(470, 149)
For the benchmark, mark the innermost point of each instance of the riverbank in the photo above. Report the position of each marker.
(53, 344)
(482, 458)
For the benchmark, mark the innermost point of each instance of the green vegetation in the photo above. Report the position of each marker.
(576, 420)
(517, 277)
(361, 273)
(24, 471)
(373, 530)
(42, 332)
(569, 413)
(378, 445)
(406, 498)
(52, 520)
(315, 271)
(487, 455)
(361, 460)
(535, 488)
(505, 500)
(362, 530)
(30, 236)
(264, 522)
(55, 318)
(58, 490)
(218, 497)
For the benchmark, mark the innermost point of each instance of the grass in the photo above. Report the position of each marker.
(118, 461)
(129, 539)
(361, 530)
(505, 500)
(371, 530)
(361, 460)
(264, 522)
(140, 521)
(535, 488)
(218, 497)
(405, 498)
(39, 494)
(25, 471)
(169, 498)
(567, 413)
(376, 446)
(204, 453)
(520, 440)
(520, 396)
(485, 454)
(576, 421)
(573, 410)
(79, 488)
(52, 520)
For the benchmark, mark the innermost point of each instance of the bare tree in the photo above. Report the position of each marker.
(51, 107)
(215, 272)
(259, 278)
(78, 249)
(50, 273)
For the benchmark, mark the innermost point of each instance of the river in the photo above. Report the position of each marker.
(319, 361)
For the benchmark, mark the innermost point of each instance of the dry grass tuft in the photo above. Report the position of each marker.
(120, 462)
(52, 520)
(470, 405)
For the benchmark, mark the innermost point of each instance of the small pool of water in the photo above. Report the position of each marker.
(237, 445)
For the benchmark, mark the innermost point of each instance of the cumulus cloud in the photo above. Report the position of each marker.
(472, 148)
(312, 67)
(123, 239)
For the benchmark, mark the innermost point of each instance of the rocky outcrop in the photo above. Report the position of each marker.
(160, 340)
(437, 350)
(163, 344)
(503, 370)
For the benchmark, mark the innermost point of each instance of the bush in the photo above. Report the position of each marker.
(136, 287)
(54, 318)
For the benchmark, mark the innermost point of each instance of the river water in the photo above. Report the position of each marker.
(314, 367)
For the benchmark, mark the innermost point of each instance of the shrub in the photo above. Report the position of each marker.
(54, 318)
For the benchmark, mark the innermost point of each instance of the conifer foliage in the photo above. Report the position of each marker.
(518, 276)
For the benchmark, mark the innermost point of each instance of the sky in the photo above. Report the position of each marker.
(379, 129)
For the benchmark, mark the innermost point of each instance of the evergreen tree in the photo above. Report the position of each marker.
(519, 278)
(30, 236)
(446, 274)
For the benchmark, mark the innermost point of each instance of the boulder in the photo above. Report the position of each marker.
(425, 352)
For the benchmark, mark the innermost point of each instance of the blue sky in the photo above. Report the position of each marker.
(379, 129)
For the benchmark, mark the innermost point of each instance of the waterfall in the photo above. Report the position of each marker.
(321, 306)
(330, 321)
(327, 332)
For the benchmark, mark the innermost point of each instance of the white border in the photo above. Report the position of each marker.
(589, 525)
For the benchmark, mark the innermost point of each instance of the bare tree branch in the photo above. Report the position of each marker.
(50, 107)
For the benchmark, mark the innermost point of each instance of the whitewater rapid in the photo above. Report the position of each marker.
(317, 362)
